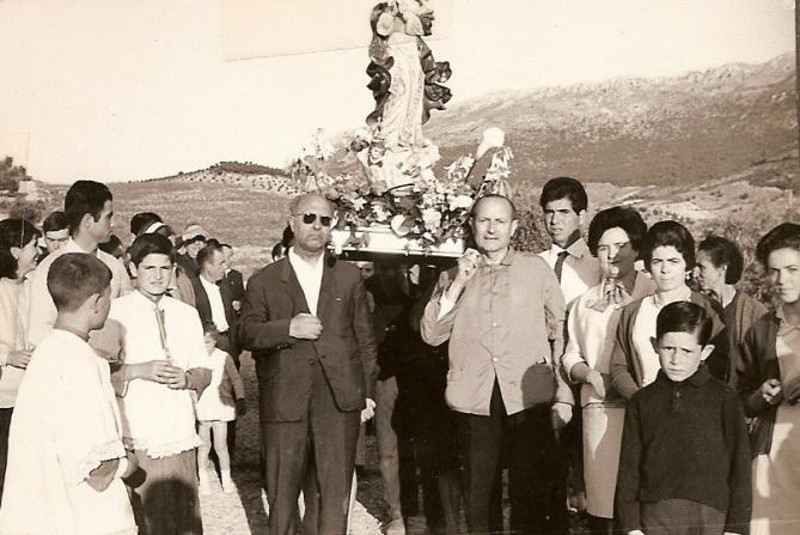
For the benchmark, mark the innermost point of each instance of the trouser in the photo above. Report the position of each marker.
(323, 442)
(388, 451)
(164, 494)
(533, 476)
(681, 517)
(5, 425)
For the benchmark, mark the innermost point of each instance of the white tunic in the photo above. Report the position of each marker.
(157, 418)
(65, 423)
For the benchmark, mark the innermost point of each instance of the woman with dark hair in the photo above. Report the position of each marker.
(668, 254)
(769, 384)
(17, 258)
(719, 268)
(615, 236)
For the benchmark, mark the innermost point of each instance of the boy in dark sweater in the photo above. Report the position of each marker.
(685, 461)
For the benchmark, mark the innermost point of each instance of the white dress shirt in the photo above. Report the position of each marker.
(309, 276)
(42, 310)
(579, 272)
(217, 308)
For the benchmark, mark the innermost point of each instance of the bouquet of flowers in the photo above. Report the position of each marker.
(424, 214)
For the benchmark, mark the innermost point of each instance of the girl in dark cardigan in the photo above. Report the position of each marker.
(668, 254)
(769, 384)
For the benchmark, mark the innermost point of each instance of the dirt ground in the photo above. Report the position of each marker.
(246, 511)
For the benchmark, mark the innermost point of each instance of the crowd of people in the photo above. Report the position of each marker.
(620, 373)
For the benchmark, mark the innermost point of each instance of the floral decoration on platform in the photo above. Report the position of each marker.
(425, 213)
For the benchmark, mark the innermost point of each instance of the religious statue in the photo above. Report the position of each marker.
(406, 84)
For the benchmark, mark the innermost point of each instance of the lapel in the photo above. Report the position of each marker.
(293, 288)
(327, 291)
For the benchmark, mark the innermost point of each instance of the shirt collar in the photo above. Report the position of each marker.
(698, 379)
(783, 326)
(296, 261)
(578, 248)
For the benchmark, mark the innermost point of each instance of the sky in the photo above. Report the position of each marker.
(115, 90)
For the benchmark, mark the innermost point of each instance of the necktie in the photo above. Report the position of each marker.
(560, 264)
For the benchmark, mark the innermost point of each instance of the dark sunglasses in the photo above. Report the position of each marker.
(324, 220)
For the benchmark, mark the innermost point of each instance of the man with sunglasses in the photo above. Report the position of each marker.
(307, 322)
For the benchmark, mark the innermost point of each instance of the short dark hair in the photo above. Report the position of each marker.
(113, 247)
(623, 217)
(142, 221)
(564, 187)
(287, 237)
(73, 277)
(85, 197)
(784, 236)
(55, 221)
(148, 244)
(278, 250)
(14, 233)
(723, 252)
(480, 199)
(684, 317)
(209, 327)
(205, 254)
(668, 234)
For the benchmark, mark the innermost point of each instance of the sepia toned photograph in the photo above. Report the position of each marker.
(399, 266)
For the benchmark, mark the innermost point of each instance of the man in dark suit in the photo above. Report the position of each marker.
(307, 322)
(232, 279)
(213, 300)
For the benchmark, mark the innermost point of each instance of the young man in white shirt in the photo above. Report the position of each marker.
(89, 208)
(564, 203)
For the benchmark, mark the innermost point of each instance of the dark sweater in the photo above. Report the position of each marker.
(685, 440)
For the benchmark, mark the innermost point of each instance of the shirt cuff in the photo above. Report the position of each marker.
(445, 306)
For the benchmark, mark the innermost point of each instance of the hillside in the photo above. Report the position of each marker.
(688, 129)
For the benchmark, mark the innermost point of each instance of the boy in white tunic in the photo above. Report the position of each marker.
(66, 458)
(155, 395)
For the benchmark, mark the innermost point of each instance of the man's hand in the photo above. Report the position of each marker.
(177, 379)
(560, 415)
(237, 305)
(467, 267)
(241, 407)
(305, 327)
(771, 391)
(595, 378)
(369, 411)
(636, 532)
(19, 359)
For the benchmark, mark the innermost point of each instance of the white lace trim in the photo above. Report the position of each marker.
(112, 449)
(158, 451)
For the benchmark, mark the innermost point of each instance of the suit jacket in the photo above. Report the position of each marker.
(203, 307)
(345, 350)
(235, 282)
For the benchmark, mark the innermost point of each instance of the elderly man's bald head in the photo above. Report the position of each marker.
(300, 204)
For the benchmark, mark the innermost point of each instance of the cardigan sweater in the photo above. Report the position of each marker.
(746, 311)
(758, 361)
(627, 372)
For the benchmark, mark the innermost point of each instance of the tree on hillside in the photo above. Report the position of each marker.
(11, 175)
